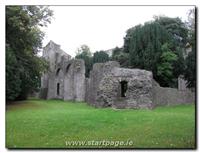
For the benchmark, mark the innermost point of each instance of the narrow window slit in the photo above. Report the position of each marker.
(58, 88)
(124, 86)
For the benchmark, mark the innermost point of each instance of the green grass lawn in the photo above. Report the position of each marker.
(49, 124)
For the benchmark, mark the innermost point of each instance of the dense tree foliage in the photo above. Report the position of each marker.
(158, 46)
(23, 42)
(100, 57)
(84, 53)
(179, 38)
(176, 28)
(190, 71)
(13, 81)
(143, 43)
(89, 59)
(165, 68)
(120, 56)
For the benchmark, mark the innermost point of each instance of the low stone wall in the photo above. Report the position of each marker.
(171, 96)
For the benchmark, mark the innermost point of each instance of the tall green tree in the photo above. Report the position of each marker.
(144, 44)
(179, 35)
(23, 42)
(165, 67)
(84, 53)
(176, 28)
(100, 57)
(84, 50)
(120, 56)
(190, 70)
(13, 81)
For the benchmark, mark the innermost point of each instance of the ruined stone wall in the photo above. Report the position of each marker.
(56, 81)
(44, 86)
(98, 72)
(106, 85)
(139, 89)
(93, 82)
(171, 96)
(65, 78)
(54, 54)
(74, 80)
(182, 83)
(79, 80)
(67, 82)
(105, 88)
(51, 87)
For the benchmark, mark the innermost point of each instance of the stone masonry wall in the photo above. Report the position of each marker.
(65, 78)
(171, 96)
(74, 81)
(98, 72)
(105, 88)
(139, 89)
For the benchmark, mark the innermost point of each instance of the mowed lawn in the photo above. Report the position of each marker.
(52, 123)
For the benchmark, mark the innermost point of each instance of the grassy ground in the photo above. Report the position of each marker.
(52, 124)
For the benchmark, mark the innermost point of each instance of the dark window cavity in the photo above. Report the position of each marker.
(57, 72)
(67, 69)
(58, 88)
(124, 86)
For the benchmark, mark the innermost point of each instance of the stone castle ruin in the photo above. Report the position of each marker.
(107, 86)
(110, 85)
(65, 78)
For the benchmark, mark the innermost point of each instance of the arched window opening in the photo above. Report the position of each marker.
(68, 66)
(58, 88)
(124, 86)
(57, 72)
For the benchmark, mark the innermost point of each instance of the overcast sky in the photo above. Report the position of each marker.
(101, 27)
